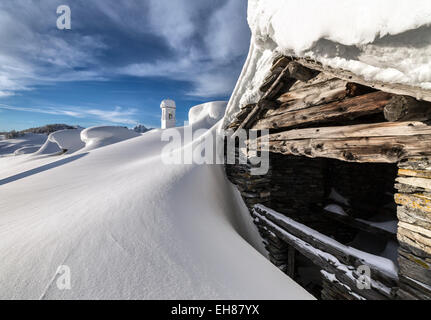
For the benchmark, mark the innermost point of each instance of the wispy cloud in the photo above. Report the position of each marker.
(118, 115)
(187, 40)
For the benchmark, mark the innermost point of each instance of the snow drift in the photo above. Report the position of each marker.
(387, 40)
(97, 137)
(129, 226)
(63, 141)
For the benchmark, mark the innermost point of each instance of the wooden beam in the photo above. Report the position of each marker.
(332, 263)
(383, 129)
(269, 94)
(383, 142)
(311, 95)
(395, 88)
(347, 109)
(299, 72)
(316, 239)
(405, 108)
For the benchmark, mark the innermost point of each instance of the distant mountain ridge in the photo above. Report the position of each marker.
(141, 128)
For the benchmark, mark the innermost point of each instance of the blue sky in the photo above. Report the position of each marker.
(119, 61)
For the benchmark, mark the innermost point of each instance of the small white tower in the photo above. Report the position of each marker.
(168, 113)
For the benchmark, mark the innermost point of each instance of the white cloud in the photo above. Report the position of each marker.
(118, 115)
(210, 62)
(204, 42)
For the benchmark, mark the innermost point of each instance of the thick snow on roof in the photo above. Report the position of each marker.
(385, 40)
(130, 226)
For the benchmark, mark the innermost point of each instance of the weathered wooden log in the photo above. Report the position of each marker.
(299, 72)
(269, 81)
(367, 149)
(343, 110)
(311, 95)
(336, 289)
(396, 88)
(405, 108)
(281, 62)
(244, 112)
(269, 94)
(330, 263)
(317, 240)
(385, 129)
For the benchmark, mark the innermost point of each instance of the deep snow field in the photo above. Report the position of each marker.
(128, 226)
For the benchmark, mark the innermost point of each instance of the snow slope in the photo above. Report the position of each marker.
(129, 226)
(29, 140)
(385, 40)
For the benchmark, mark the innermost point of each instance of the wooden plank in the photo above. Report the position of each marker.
(384, 129)
(317, 240)
(347, 109)
(366, 149)
(328, 262)
(299, 72)
(274, 89)
(395, 88)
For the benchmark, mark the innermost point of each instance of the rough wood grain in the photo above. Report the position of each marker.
(405, 108)
(330, 263)
(368, 149)
(384, 129)
(395, 88)
(299, 72)
(347, 109)
(315, 94)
